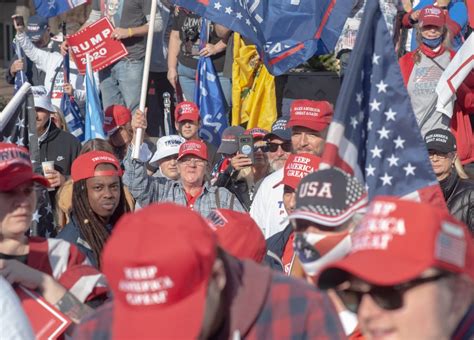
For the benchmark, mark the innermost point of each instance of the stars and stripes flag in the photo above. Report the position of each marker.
(94, 115)
(286, 32)
(374, 134)
(52, 8)
(209, 97)
(71, 111)
(20, 129)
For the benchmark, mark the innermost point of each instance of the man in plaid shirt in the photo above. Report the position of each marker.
(181, 285)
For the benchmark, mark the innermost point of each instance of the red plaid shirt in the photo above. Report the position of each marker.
(291, 309)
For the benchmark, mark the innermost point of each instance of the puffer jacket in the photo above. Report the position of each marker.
(459, 196)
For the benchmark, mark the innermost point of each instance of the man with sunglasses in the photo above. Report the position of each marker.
(309, 122)
(278, 144)
(458, 193)
(409, 274)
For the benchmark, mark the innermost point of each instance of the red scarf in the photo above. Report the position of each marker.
(427, 51)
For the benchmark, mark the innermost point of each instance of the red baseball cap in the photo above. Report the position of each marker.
(158, 262)
(407, 237)
(238, 234)
(256, 133)
(432, 15)
(186, 111)
(16, 167)
(297, 166)
(84, 166)
(116, 116)
(193, 147)
(315, 115)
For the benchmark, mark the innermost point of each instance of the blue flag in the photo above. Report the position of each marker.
(52, 8)
(20, 76)
(286, 32)
(374, 134)
(209, 97)
(94, 114)
(72, 113)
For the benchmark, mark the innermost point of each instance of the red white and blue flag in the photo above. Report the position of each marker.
(52, 8)
(374, 134)
(286, 32)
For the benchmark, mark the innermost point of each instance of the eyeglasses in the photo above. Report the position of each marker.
(386, 297)
(193, 161)
(273, 147)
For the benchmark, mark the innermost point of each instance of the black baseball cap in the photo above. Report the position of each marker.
(36, 27)
(230, 140)
(440, 140)
(280, 130)
(329, 197)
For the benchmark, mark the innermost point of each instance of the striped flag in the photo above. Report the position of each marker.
(20, 76)
(374, 134)
(94, 114)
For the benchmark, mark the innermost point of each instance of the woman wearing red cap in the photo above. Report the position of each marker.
(53, 268)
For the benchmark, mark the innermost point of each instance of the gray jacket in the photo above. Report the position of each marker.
(148, 189)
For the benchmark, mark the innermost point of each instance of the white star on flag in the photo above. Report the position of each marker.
(228, 10)
(390, 114)
(369, 124)
(7, 139)
(375, 59)
(399, 142)
(409, 169)
(383, 132)
(239, 15)
(381, 87)
(375, 105)
(217, 5)
(392, 160)
(247, 21)
(354, 122)
(359, 98)
(376, 152)
(370, 170)
(36, 216)
(386, 179)
(21, 123)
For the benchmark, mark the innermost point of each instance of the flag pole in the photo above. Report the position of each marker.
(13, 104)
(146, 71)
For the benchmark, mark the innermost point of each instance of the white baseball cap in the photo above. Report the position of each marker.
(167, 146)
(42, 99)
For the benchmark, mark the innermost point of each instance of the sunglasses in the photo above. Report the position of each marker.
(386, 297)
(273, 147)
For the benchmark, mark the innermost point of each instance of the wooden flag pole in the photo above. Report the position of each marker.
(146, 70)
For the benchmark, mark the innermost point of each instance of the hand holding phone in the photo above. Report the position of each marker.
(18, 22)
(246, 146)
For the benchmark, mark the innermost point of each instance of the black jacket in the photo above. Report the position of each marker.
(239, 187)
(276, 246)
(459, 196)
(60, 147)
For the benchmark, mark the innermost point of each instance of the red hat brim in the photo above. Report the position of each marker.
(20, 177)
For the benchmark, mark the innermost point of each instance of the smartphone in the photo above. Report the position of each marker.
(19, 20)
(246, 146)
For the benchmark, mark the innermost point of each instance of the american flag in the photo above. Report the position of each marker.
(374, 134)
(20, 76)
(286, 32)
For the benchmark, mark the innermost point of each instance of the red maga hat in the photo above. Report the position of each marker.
(238, 234)
(84, 166)
(314, 115)
(193, 147)
(432, 15)
(159, 291)
(407, 237)
(116, 116)
(297, 166)
(16, 167)
(186, 111)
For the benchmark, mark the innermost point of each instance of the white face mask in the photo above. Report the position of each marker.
(313, 253)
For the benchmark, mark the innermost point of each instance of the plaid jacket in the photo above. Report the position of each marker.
(266, 305)
(147, 189)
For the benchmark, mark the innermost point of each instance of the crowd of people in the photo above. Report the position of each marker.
(247, 239)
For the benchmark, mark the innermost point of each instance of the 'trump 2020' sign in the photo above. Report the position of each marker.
(95, 40)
